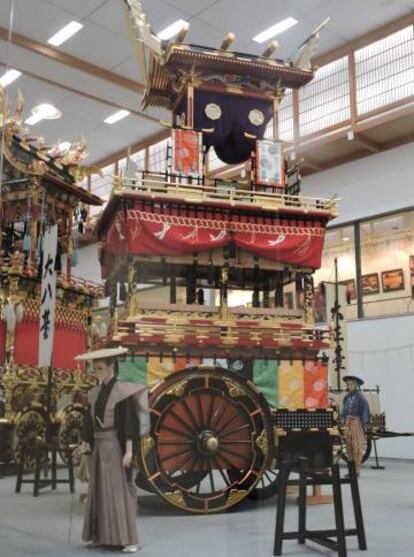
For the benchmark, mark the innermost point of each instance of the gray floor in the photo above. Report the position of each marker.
(51, 524)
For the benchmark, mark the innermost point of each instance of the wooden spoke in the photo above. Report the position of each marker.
(236, 430)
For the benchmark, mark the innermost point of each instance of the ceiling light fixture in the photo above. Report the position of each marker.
(65, 33)
(345, 239)
(9, 77)
(116, 116)
(44, 111)
(275, 30)
(172, 29)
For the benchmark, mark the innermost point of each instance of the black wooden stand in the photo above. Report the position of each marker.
(321, 537)
(42, 452)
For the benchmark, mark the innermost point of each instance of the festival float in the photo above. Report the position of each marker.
(230, 388)
(40, 187)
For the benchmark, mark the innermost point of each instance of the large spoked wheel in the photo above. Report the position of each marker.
(70, 428)
(206, 423)
(266, 487)
(30, 429)
(367, 449)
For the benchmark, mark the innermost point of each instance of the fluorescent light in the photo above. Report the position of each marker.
(44, 111)
(172, 30)
(345, 239)
(65, 33)
(116, 116)
(275, 30)
(9, 77)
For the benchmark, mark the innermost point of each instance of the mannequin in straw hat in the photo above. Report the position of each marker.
(356, 418)
(117, 415)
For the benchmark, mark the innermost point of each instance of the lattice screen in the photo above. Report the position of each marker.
(157, 156)
(285, 117)
(385, 71)
(325, 101)
(214, 163)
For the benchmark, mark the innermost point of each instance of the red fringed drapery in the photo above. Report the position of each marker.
(141, 232)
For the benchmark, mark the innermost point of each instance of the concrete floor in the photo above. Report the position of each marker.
(51, 524)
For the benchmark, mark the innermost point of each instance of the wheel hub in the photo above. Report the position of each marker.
(208, 443)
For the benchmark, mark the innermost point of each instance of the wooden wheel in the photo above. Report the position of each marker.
(205, 423)
(70, 428)
(30, 428)
(266, 487)
(367, 449)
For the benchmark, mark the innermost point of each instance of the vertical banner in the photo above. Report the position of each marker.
(336, 321)
(187, 157)
(270, 163)
(47, 297)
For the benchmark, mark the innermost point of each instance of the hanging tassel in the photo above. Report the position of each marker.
(19, 312)
(122, 292)
(75, 249)
(58, 259)
(200, 297)
(27, 239)
(9, 315)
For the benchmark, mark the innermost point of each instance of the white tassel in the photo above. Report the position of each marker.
(20, 312)
(103, 329)
(9, 315)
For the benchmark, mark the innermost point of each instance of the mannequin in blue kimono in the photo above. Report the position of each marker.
(356, 419)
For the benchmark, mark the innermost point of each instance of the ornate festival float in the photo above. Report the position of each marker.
(230, 387)
(39, 299)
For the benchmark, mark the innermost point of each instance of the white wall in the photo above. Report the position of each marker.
(88, 267)
(382, 352)
(376, 184)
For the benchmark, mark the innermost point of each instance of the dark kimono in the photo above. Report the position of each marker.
(113, 418)
(355, 415)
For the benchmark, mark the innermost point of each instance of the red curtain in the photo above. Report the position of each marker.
(67, 343)
(144, 233)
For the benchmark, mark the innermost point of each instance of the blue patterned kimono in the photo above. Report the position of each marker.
(355, 404)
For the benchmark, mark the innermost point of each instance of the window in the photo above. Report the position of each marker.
(385, 71)
(325, 101)
(157, 156)
(214, 163)
(285, 117)
(387, 249)
(340, 245)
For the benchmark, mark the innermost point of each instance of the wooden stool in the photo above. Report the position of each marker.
(42, 451)
(321, 537)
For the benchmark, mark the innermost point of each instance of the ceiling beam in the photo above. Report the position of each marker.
(82, 93)
(75, 63)
(363, 141)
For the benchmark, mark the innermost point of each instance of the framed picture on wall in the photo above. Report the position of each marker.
(350, 287)
(392, 280)
(370, 284)
(411, 259)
